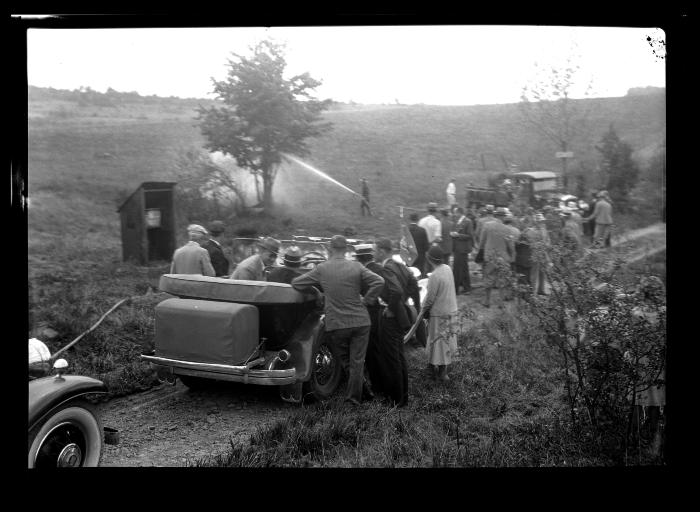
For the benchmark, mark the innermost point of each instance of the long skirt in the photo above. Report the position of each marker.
(441, 348)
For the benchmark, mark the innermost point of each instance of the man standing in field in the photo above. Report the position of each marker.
(499, 252)
(432, 226)
(216, 252)
(462, 243)
(451, 194)
(420, 238)
(447, 226)
(602, 215)
(347, 321)
(253, 267)
(365, 198)
(192, 258)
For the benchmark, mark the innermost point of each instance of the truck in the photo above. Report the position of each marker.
(535, 188)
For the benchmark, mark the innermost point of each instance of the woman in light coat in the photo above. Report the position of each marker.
(440, 307)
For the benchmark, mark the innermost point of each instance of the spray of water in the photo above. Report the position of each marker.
(320, 173)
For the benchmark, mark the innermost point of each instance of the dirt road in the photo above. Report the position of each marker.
(173, 426)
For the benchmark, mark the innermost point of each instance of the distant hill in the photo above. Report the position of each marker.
(407, 152)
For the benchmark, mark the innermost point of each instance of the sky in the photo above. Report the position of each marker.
(433, 65)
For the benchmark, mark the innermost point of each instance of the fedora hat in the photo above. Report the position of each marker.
(339, 242)
(292, 258)
(385, 244)
(270, 244)
(216, 227)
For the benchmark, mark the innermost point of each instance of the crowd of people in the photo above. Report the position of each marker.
(367, 299)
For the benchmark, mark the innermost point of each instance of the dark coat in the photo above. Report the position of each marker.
(217, 257)
(283, 274)
(420, 239)
(464, 241)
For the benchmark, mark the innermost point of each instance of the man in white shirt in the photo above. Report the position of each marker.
(451, 195)
(432, 225)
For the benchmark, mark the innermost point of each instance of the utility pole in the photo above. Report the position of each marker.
(564, 155)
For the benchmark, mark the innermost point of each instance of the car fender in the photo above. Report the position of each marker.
(47, 393)
(304, 344)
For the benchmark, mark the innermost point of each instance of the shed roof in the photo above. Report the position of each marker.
(149, 185)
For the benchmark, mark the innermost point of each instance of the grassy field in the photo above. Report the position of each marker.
(503, 407)
(84, 158)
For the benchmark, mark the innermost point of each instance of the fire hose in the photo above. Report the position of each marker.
(92, 328)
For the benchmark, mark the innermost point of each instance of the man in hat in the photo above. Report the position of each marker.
(432, 226)
(396, 321)
(486, 217)
(291, 268)
(602, 216)
(216, 252)
(499, 251)
(420, 238)
(347, 322)
(447, 226)
(376, 361)
(365, 198)
(462, 243)
(451, 193)
(192, 258)
(253, 267)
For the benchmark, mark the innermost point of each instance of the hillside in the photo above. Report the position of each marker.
(85, 151)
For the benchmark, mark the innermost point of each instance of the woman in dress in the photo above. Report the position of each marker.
(440, 307)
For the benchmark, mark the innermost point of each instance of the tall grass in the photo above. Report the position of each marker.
(502, 408)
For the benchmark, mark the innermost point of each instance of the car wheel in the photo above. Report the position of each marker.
(70, 437)
(327, 372)
(195, 383)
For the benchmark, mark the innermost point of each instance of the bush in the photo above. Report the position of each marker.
(610, 337)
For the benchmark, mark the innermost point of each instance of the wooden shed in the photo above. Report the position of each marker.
(148, 223)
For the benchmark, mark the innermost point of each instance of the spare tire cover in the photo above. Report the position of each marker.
(195, 286)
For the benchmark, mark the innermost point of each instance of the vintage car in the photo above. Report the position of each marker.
(252, 332)
(64, 428)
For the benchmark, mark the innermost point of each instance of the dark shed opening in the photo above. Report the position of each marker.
(148, 223)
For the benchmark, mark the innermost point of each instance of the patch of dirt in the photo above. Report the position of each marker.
(173, 425)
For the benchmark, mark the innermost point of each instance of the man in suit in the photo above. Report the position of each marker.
(447, 226)
(376, 357)
(463, 243)
(291, 268)
(347, 321)
(192, 258)
(216, 252)
(499, 251)
(602, 215)
(365, 198)
(395, 322)
(253, 267)
(420, 238)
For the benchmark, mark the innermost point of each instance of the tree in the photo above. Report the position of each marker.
(263, 114)
(546, 105)
(621, 172)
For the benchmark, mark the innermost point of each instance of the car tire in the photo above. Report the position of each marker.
(71, 436)
(195, 383)
(326, 374)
